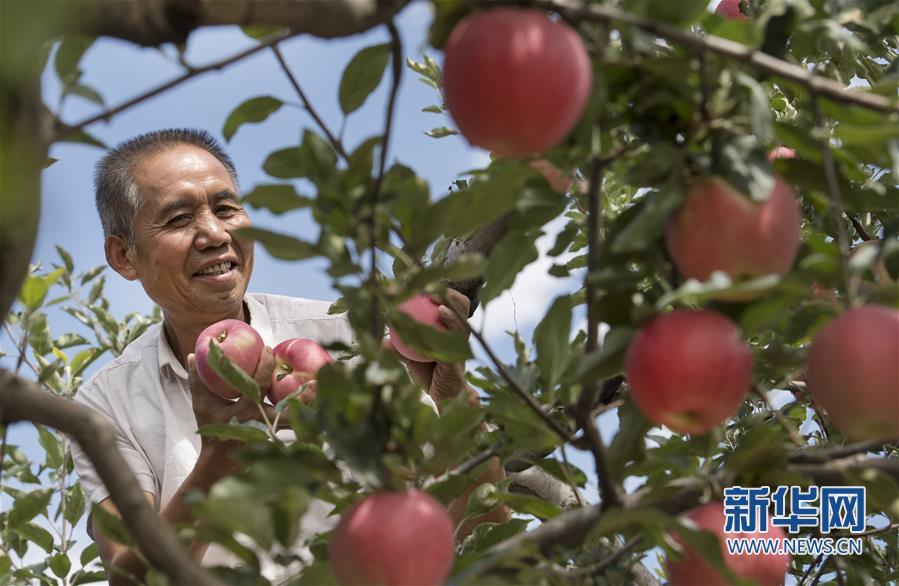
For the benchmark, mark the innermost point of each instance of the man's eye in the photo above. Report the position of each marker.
(227, 210)
(179, 219)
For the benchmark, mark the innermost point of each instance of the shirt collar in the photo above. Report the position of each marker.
(259, 319)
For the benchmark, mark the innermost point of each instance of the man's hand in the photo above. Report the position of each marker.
(442, 380)
(210, 408)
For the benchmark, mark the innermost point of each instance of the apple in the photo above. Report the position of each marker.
(730, 9)
(853, 372)
(781, 152)
(692, 569)
(296, 363)
(720, 229)
(557, 180)
(393, 539)
(241, 344)
(688, 370)
(514, 81)
(424, 310)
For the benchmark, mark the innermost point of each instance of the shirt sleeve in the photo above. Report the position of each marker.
(91, 483)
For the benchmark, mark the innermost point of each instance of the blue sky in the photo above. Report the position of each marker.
(120, 70)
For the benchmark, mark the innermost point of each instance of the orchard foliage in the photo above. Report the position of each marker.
(660, 116)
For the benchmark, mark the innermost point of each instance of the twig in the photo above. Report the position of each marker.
(63, 130)
(811, 567)
(871, 532)
(820, 572)
(396, 50)
(819, 455)
(23, 400)
(335, 143)
(529, 399)
(781, 418)
(608, 492)
(830, 173)
(822, 86)
(862, 233)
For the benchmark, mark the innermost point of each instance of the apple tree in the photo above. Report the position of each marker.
(729, 204)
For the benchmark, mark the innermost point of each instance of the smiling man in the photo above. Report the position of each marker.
(170, 208)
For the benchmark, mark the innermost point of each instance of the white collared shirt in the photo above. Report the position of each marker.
(145, 395)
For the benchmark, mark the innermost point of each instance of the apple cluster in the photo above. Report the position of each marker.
(297, 361)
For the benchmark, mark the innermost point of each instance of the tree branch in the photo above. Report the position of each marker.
(821, 86)
(22, 400)
(154, 22)
(63, 130)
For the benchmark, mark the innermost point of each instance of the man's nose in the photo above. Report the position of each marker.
(211, 231)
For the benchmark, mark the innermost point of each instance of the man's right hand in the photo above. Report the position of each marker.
(209, 408)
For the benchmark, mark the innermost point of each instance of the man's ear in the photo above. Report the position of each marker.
(120, 256)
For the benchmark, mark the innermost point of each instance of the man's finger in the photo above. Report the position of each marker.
(263, 376)
(459, 301)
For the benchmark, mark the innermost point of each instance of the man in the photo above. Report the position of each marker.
(169, 205)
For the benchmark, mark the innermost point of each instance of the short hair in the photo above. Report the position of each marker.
(117, 195)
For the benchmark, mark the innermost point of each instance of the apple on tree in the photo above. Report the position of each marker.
(424, 310)
(730, 9)
(693, 570)
(393, 539)
(781, 152)
(297, 362)
(514, 81)
(240, 343)
(688, 370)
(720, 229)
(853, 372)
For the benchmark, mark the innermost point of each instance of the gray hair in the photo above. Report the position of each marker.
(117, 195)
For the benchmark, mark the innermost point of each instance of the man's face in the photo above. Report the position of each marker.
(185, 228)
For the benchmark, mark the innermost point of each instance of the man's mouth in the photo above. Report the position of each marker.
(219, 269)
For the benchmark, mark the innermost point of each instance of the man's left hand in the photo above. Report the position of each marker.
(443, 380)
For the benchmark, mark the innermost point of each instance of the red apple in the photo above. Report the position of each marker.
(241, 344)
(557, 180)
(393, 539)
(296, 363)
(853, 372)
(422, 309)
(781, 152)
(688, 370)
(730, 9)
(514, 81)
(720, 229)
(693, 570)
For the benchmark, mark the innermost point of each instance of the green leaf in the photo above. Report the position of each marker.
(232, 374)
(110, 525)
(551, 340)
(92, 274)
(629, 444)
(284, 163)
(441, 132)
(35, 288)
(69, 340)
(84, 359)
(277, 198)
(75, 503)
(245, 432)
(69, 55)
(443, 346)
(87, 92)
(26, 507)
(52, 447)
(82, 137)
(567, 473)
(280, 245)
(261, 31)
(37, 534)
(608, 360)
(83, 577)
(506, 261)
(529, 505)
(362, 76)
(60, 564)
(649, 225)
(453, 215)
(89, 554)
(66, 258)
(254, 110)
(234, 505)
